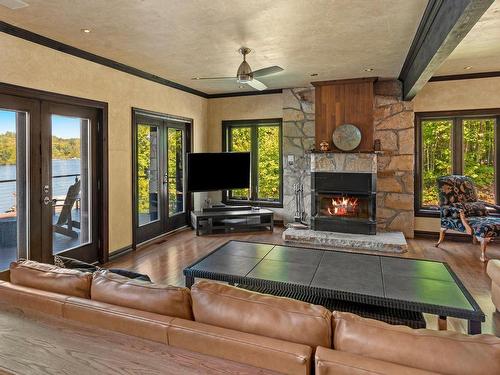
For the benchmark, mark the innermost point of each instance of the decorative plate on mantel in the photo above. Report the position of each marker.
(346, 137)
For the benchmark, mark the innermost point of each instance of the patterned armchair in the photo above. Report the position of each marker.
(461, 210)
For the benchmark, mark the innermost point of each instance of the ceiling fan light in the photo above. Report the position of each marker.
(244, 73)
(245, 78)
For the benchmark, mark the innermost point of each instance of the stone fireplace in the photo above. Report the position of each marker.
(343, 188)
(393, 165)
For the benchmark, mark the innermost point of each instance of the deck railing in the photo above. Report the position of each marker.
(4, 198)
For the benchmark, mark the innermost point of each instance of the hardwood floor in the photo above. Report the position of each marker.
(165, 259)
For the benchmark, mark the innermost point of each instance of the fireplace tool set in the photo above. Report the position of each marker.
(300, 214)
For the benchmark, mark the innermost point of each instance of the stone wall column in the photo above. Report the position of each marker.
(394, 126)
(298, 138)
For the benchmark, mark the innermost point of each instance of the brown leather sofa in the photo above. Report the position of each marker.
(270, 332)
(493, 271)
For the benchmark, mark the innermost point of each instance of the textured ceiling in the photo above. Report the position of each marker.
(480, 49)
(181, 39)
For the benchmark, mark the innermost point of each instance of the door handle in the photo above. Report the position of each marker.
(47, 200)
(165, 178)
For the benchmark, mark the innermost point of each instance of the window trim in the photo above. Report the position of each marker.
(457, 157)
(254, 124)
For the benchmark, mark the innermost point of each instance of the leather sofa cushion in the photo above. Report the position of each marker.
(129, 321)
(281, 318)
(335, 362)
(50, 278)
(493, 271)
(118, 290)
(441, 351)
(277, 355)
(32, 299)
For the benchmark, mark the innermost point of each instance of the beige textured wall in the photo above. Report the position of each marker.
(26, 64)
(455, 95)
(238, 108)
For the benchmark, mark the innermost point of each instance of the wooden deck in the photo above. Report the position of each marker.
(165, 259)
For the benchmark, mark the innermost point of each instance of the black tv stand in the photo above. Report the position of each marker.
(220, 207)
(232, 220)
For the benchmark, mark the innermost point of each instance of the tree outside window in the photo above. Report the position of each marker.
(262, 138)
(462, 144)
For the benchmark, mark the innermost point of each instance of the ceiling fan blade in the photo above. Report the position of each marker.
(257, 84)
(202, 78)
(267, 71)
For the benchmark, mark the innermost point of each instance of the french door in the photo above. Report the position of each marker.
(48, 180)
(161, 202)
(69, 188)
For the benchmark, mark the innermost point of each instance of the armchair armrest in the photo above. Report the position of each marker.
(496, 207)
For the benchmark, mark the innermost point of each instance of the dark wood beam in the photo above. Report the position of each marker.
(444, 24)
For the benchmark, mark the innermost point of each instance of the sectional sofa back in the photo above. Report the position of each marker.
(444, 352)
(273, 332)
(261, 314)
(208, 302)
(104, 286)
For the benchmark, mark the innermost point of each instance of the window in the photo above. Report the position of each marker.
(263, 139)
(463, 142)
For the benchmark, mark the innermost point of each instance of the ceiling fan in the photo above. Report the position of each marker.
(245, 73)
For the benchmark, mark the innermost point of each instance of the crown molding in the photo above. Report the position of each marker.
(458, 77)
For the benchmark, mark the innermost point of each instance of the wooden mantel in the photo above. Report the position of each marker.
(346, 101)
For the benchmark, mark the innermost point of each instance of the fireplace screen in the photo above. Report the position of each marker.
(343, 205)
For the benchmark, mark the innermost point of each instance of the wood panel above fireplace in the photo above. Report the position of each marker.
(345, 101)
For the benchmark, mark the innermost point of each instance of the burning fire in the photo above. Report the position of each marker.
(343, 206)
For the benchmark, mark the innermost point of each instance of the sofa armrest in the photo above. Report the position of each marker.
(336, 362)
(259, 351)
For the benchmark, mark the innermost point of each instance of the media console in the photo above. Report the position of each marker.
(233, 220)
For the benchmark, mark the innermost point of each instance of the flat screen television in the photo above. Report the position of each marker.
(218, 171)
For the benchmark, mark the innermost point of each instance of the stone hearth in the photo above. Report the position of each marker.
(393, 242)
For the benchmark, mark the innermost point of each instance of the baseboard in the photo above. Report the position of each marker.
(120, 252)
(449, 236)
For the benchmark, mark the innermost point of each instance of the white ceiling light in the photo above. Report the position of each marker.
(468, 67)
(368, 69)
(86, 31)
(13, 4)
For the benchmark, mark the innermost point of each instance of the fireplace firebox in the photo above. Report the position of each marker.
(344, 202)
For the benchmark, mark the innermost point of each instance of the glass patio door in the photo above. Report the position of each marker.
(15, 117)
(160, 198)
(49, 174)
(69, 189)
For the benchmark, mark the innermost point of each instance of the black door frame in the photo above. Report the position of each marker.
(39, 96)
(163, 118)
